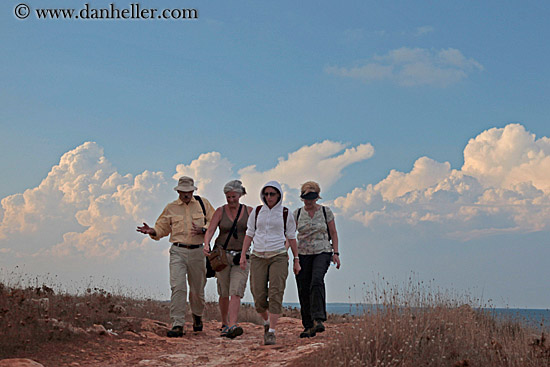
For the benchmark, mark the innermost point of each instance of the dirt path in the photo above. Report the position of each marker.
(207, 348)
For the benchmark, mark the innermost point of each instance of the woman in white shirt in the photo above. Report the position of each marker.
(269, 226)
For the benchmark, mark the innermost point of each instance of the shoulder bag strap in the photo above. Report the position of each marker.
(233, 227)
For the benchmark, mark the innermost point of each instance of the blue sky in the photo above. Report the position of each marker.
(257, 82)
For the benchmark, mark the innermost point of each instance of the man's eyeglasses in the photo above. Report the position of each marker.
(270, 194)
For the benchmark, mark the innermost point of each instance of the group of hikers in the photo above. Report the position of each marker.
(191, 222)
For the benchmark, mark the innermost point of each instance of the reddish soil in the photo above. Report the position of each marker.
(150, 347)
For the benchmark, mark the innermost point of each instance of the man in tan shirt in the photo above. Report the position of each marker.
(186, 221)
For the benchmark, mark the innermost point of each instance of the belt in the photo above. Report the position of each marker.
(268, 254)
(234, 253)
(186, 246)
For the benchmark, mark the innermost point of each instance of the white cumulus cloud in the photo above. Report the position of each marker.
(210, 172)
(322, 162)
(425, 173)
(502, 187)
(85, 208)
(509, 156)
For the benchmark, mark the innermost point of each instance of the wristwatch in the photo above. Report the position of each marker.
(336, 253)
(203, 230)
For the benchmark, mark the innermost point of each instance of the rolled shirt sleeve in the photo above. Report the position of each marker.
(162, 225)
(251, 224)
(330, 214)
(290, 227)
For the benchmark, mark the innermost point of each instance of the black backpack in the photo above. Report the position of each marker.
(210, 273)
(198, 198)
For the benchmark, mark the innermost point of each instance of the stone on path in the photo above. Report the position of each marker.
(19, 362)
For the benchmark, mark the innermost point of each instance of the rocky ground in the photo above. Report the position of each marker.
(150, 347)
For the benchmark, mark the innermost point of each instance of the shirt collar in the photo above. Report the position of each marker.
(179, 202)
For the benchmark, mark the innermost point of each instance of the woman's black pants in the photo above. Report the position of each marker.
(311, 287)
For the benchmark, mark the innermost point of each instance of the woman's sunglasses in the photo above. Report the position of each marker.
(270, 194)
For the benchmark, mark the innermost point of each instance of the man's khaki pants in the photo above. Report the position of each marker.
(186, 266)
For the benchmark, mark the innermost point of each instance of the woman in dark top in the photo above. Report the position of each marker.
(231, 280)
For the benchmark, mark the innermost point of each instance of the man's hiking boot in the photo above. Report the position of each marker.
(197, 323)
(318, 326)
(308, 333)
(176, 332)
(269, 338)
(234, 331)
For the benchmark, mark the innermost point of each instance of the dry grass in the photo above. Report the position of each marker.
(414, 327)
(31, 315)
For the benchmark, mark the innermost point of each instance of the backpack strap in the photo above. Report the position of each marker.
(198, 198)
(285, 216)
(326, 221)
(258, 208)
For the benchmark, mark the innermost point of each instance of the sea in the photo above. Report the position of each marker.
(536, 318)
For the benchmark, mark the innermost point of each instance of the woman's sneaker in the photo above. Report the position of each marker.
(225, 331)
(234, 331)
(269, 338)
